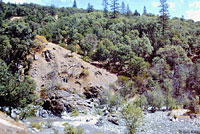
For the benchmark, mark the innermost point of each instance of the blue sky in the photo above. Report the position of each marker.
(189, 8)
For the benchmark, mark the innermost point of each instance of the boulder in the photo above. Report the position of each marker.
(92, 92)
(114, 120)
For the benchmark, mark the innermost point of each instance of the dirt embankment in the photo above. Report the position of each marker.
(9, 126)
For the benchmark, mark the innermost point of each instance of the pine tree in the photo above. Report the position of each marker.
(105, 9)
(136, 13)
(90, 8)
(74, 4)
(182, 18)
(115, 8)
(145, 11)
(128, 11)
(123, 8)
(164, 16)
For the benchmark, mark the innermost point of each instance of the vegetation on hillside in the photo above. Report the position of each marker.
(160, 56)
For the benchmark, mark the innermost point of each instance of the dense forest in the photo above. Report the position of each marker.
(155, 56)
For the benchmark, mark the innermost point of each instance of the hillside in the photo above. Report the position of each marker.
(69, 69)
(56, 66)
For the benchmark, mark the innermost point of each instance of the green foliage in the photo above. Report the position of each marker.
(153, 51)
(155, 98)
(142, 102)
(37, 125)
(84, 73)
(132, 116)
(114, 100)
(15, 91)
(71, 130)
(98, 133)
(75, 113)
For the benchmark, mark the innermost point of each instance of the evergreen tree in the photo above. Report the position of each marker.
(115, 8)
(164, 16)
(182, 18)
(123, 8)
(90, 8)
(105, 9)
(145, 11)
(136, 13)
(74, 4)
(128, 11)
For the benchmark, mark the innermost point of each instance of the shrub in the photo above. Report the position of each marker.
(142, 102)
(84, 73)
(37, 125)
(86, 59)
(98, 133)
(194, 107)
(71, 130)
(123, 79)
(132, 116)
(75, 112)
(172, 103)
(40, 40)
(155, 99)
(55, 131)
(104, 97)
(114, 100)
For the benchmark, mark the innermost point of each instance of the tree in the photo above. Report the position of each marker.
(136, 13)
(164, 16)
(115, 8)
(15, 93)
(105, 9)
(132, 116)
(145, 11)
(123, 8)
(128, 11)
(74, 4)
(90, 8)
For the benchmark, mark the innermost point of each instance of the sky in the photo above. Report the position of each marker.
(190, 9)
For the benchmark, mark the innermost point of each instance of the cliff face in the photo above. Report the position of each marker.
(9, 126)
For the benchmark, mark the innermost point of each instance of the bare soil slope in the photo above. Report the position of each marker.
(56, 66)
(9, 126)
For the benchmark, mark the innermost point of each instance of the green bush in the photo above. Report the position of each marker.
(155, 98)
(142, 102)
(86, 59)
(37, 125)
(98, 133)
(84, 73)
(132, 116)
(15, 91)
(114, 100)
(75, 112)
(71, 130)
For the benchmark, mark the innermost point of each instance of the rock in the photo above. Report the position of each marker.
(48, 55)
(61, 101)
(98, 73)
(54, 106)
(68, 55)
(77, 82)
(35, 57)
(99, 122)
(92, 92)
(65, 79)
(114, 120)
